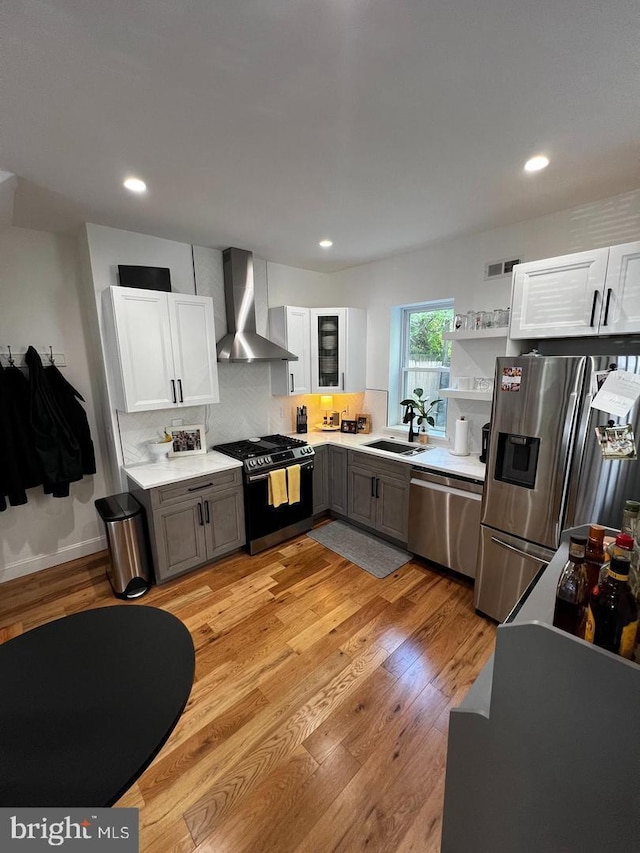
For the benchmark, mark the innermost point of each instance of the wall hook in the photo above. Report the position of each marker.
(11, 359)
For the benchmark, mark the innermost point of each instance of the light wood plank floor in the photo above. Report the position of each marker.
(318, 716)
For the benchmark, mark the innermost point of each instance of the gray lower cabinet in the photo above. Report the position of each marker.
(337, 479)
(378, 494)
(320, 479)
(194, 521)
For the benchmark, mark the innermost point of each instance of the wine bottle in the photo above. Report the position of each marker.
(612, 614)
(573, 590)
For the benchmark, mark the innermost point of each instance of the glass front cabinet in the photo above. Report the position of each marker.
(338, 350)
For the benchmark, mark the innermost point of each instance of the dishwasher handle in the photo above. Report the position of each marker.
(448, 490)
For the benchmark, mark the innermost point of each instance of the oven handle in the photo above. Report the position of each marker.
(255, 477)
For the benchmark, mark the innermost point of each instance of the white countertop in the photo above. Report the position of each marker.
(436, 458)
(150, 475)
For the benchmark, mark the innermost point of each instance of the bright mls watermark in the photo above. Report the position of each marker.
(27, 830)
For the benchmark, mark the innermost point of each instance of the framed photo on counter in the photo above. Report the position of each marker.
(363, 422)
(187, 440)
(349, 426)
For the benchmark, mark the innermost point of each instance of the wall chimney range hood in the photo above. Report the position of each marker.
(243, 343)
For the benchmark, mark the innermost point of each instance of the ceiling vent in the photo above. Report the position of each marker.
(498, 269)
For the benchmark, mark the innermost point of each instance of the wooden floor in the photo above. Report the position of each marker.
(318, 717)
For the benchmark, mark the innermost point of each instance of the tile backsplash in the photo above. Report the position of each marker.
(246, 408)
(137, 429)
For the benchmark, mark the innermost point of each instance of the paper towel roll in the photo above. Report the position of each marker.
(461, 438)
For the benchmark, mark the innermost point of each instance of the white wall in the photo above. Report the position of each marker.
(291, 286)
(40, 305)
(455, 268)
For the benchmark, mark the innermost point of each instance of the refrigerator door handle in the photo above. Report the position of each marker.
(569, 439)
(520, 553)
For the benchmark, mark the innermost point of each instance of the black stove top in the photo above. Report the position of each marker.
(263, 454)
(252, 447)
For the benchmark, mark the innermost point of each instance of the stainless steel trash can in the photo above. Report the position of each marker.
(129, 569)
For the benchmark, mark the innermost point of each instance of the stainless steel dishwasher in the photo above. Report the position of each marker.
(444, 519)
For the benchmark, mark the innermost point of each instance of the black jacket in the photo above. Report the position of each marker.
(19, 464)
(68, 399)
(55, 444)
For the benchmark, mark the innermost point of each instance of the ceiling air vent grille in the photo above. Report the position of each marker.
(497, 269)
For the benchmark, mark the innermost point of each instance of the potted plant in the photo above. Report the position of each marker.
(423, 410)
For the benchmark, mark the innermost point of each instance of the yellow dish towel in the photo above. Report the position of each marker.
(293, 482)
(278, 487)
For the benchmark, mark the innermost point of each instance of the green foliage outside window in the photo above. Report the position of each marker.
(425, 335)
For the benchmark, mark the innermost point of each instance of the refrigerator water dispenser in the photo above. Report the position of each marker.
(517, 459)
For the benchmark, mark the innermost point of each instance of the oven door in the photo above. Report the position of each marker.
(267, 525)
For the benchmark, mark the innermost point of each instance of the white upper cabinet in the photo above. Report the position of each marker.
(584, 294)
(338, 350)
(290, 327)
(558, 297)
(163, 347)
(194, 349)
(621, 301)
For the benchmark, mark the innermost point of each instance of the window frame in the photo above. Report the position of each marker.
(405, 318)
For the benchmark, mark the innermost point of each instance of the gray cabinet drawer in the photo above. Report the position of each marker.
(378, 465)
(167, 495)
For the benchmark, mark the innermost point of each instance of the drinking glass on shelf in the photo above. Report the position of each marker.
(474, 320)
(486, 319)
(460, 322)
(482, 383)
(500, 317)
(464, 383)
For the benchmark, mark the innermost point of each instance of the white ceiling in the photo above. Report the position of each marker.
(270, 124)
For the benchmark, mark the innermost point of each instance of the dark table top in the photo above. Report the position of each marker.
(86, 703)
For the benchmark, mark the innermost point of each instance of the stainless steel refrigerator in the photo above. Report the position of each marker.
(545, 469)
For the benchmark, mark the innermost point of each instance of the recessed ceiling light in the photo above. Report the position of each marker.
(135, 185)
(536, 163)
(326, 244)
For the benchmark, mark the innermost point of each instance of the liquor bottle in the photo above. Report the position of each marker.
(630, 516)
(631, 526)
(572, 592)
(612, 615)
(621, 548)
(594, 554)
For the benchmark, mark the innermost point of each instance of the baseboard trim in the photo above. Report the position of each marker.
(45, 561)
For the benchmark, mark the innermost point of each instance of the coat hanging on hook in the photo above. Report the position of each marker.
(19, 464)
(44, 431)
(56, 445)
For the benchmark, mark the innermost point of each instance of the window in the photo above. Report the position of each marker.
(426, 357)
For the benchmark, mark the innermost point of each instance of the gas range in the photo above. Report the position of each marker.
(268, 452)
(268, 523)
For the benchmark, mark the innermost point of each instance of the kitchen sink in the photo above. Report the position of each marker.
(396, 447)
